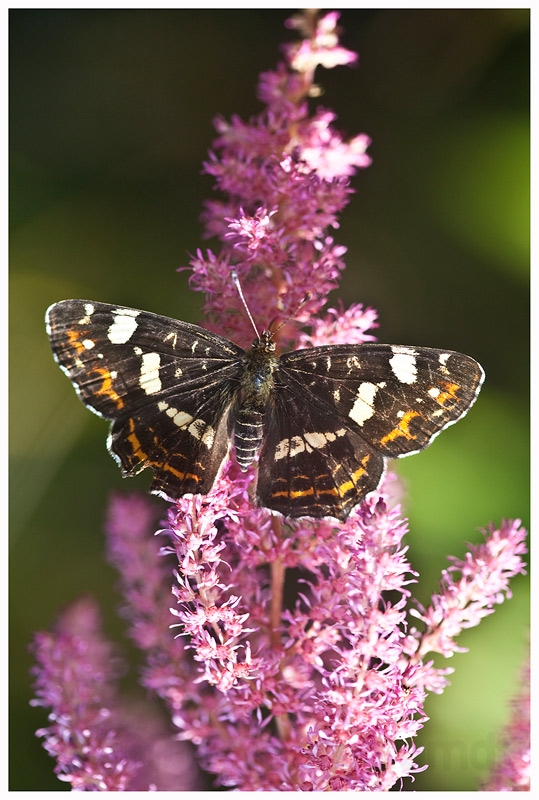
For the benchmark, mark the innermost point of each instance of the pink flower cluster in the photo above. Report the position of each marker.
(284, 177)
(512, 772)
(294, 665)
(100, 743)
(283, 650)
(470, 589)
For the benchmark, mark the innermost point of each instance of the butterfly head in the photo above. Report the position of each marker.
(265, 342)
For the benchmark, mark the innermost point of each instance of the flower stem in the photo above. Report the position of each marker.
(277, 589)
(277, 569)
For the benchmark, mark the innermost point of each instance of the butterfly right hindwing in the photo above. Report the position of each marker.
(322, 467)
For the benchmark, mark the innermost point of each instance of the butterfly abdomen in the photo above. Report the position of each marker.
(257, 386)
(248, 432)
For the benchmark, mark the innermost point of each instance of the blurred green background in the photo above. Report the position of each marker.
(111, 118)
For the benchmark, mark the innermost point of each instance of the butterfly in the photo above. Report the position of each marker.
(323, 421)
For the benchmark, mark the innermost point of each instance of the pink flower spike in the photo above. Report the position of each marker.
(512, 772)
(321, 45)
(284, 177)
(471, 587)
(99, 743)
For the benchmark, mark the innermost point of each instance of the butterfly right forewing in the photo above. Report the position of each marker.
(339, 412)
(397, 397)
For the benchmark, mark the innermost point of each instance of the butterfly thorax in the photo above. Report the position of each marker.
(257, 384)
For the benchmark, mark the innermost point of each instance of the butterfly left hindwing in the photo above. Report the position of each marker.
(324, 420)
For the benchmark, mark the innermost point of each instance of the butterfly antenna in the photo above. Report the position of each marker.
(292, 316)
(234, 276)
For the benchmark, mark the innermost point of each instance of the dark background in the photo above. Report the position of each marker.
(111, 118)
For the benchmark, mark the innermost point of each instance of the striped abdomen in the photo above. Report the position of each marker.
(248, 431)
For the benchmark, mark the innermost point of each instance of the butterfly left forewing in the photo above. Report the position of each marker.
(166, 385)
(118, 357)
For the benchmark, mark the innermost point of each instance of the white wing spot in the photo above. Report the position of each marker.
(289, 447)
(282, 449)
(316, 440)
(88, 344)
(434, 392)
(196, 427)
(309, 442)
(202, 431)
(443, 359)
(124, 325)
(180, 418)
(363, 408)
(297, 445)
(89, 310)
(149, 380)
(403, 364)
